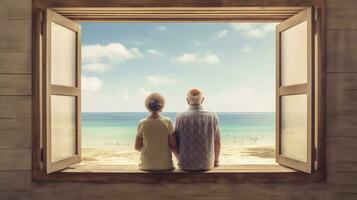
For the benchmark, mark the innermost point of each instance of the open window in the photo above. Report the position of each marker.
(294, 92)
(60, 95)
(62, 140)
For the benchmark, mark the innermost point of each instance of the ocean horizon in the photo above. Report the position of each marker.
(117, 130)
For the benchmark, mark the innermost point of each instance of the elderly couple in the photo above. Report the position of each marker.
(195, 141)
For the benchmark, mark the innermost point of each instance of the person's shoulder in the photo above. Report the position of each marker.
(142, 121)
(166, 119)
(211, 114)
(181, 114)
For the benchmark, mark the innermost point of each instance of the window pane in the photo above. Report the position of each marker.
(63, 127)
(294, 55)
(63, 55)
(294, 127)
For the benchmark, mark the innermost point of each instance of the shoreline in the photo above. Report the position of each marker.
(230, 155)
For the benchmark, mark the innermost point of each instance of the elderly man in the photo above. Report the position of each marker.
(198, 135)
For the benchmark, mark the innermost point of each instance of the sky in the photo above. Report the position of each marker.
(232, 63)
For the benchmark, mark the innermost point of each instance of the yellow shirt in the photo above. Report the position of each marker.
(156, 153)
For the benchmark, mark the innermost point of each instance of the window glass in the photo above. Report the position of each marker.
(63, 127)
(294, 55)
(294, 127)
(63, 55)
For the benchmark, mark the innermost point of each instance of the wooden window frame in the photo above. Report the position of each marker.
(60, 90)
(296, 89)
(234, 11)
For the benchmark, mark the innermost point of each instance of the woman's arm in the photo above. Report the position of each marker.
(173, 145)
(138, 143)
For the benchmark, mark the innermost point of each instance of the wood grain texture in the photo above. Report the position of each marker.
(15, 133)
(341, 94)
(15, 159)
(341, 125)
(15, 84)
(15, 35)
(341, 15)
(341, 51)
(15, 63)
(171, 3)
(15, 9)
(15, 107)
(10, 195)
(15, 181)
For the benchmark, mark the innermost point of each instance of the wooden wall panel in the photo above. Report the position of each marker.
(342, 104)
(341, 57)
(15, 35)
(15, 107)
(15, 181)
(10, 195)
(15, 9)
(201, 191)
(15, 63)
(15, 84)
(15, 133)
(15, 159)
(341, 15)
(341, 97)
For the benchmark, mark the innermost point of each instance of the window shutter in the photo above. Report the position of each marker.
(294, 92)
(62, 59)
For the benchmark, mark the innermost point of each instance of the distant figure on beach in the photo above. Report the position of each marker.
(198, 136)
(155, 137)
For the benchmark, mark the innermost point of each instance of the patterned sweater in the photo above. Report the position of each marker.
(196, 132)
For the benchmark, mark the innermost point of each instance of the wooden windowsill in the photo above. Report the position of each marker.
(133, 169)
(224, 174)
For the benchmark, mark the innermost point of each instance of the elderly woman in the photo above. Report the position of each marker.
(154, 137)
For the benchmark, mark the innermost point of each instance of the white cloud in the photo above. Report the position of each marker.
(220, 34)
(143, 92)
(124, 95)
(197, 43)
(100, 58)
(246, 97)
(198, 58)
(162, 28)
(253, 30)
(159, 80)
(91, 84)
(247, 48)
(153, 52)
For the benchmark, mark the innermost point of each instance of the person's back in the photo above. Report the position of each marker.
(154, 135)
(155, 153)
(198, 138)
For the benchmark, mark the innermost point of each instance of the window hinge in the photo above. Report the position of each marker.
(42, 155)
(42, 23)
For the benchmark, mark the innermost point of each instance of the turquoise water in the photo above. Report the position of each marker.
(118, 129)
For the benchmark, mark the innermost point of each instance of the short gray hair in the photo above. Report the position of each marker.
(195, 96)
(155, 102)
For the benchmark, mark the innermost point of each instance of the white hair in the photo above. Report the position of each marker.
(155, 102)
(195, 96)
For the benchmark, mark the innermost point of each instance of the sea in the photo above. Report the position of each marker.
(117, 130)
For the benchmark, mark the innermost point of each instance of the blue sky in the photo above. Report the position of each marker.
(234, 65)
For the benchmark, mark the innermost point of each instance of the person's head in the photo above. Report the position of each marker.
(155, 103)
(195, 97)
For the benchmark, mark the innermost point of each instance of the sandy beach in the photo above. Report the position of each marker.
(248, 154)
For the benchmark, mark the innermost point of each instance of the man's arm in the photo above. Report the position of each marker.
(217, 143)
(217, 151)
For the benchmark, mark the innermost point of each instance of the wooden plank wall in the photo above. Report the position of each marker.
(341, 99)
(15, 125)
